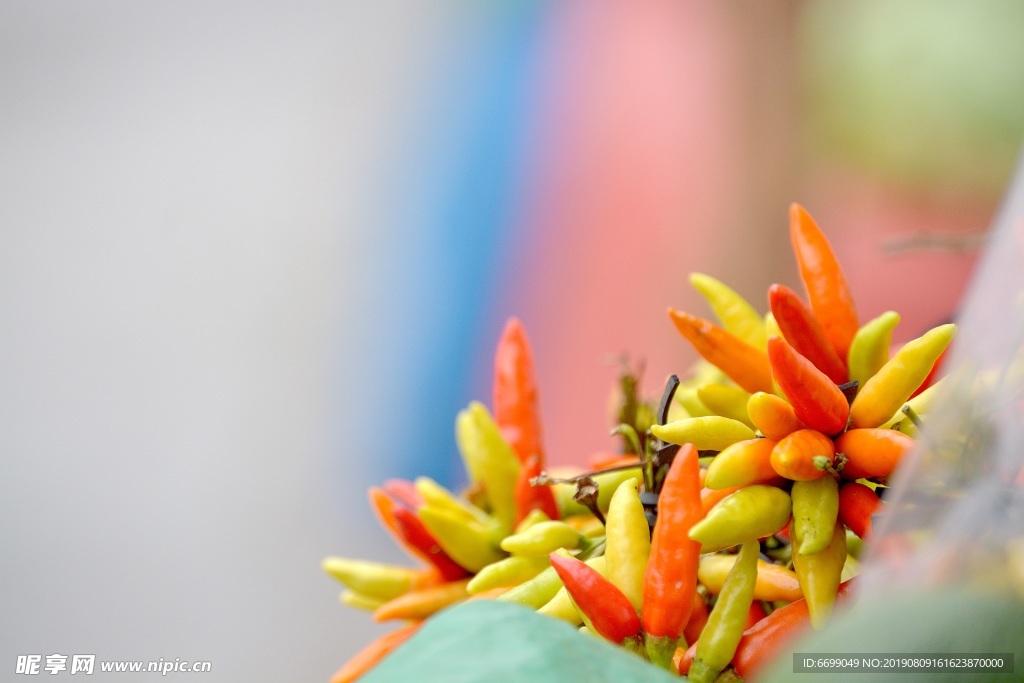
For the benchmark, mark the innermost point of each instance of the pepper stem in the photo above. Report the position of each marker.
(660, 650)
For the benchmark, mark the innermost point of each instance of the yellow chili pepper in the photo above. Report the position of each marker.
(751, 513)
(627, 542)
(727, 401)
(712, 433)
(869, 350)
(494, 463)
(921, 405)
(542, 539)
(691, 403)
(512, 571)
(771, 326)
(815, 511)
(375, 580)
(735, 313)
(717, 643)
(820, 575)
(470, 545)
(438, 497)
(357, 600)
(532, 517)
(884, 394)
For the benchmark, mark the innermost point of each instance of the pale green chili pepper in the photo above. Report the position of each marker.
(717, 643)
(815, 510)
(820, 575)
(536, 592)
(869, 349)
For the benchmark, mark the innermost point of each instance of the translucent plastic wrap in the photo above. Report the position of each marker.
(956, 510)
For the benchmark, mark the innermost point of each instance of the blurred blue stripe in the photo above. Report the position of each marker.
(456, 192)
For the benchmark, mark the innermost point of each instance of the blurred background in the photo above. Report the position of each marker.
(255, 256)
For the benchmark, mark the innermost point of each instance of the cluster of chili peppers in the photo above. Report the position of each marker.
(727, 528)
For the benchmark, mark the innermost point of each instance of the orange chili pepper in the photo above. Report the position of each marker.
(857, 503)
(872, 452)
(709, 498)
(802, 331)
(827, 291)
(671, 575)
(372, 654)
(816, 400)
(793, 457)
(423, 602)
(774, 582)
(773, 416)
(603, 461)
(743, 463)
(742, 363)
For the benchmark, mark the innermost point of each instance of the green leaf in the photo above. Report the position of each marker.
(486, 641)
(939, 621)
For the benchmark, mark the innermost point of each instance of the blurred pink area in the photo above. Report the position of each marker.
(635, 172)
(644, 174)
(865, 220)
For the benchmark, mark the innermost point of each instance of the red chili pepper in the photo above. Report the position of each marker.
(372, 654)
(816, 400)
(516, 405)
(418, 539)
(411, 534)
(933, 375)
(603, 461)
(671, 575)
(742, 363)
(608, 609)
(802, 331)
(766, 639)
(830, 296)
(686, 661)
(872, 452)
(529, 497)
(755, 614)
(405, 492)
(698, 618)
(857, 503)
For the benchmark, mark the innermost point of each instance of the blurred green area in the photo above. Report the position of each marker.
(927, 94)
